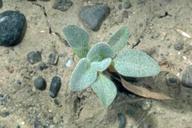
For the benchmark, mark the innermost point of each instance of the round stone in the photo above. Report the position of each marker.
(40, 83)
(187, 77)
(93, 15)
(55, 86)
(172, 80)
(178, 46)
(53, 58)
(12, 28)
(62, 5)
(34, 57)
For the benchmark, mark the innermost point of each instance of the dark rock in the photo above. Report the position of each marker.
(4, 114)
(3, 99)
(40, 83)
(62, 5)
(126, 4)
(12, 28)
(18, 126)
(37, 123)
(178, 46)
(34, 57)
(125, 14)
(53, 58)
(122, 120)
(57, 102)
(1, 3)
(120, 6)
(187, 77)
(94, 15)
(172, 80)
(55, 86)
(42, 66)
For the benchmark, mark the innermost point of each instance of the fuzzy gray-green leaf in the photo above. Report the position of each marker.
(135, 63)
(78, 39)
(104, 89)
(83, 75)
(99, 52)
(119, 40)
(101, 65)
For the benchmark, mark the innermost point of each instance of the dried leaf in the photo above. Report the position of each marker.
(143, 92)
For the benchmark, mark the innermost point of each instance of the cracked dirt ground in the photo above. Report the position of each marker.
(154, 26)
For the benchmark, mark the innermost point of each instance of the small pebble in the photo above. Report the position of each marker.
(1, 3)
(187, 77)
(18, 126)
(178, 46)
(125, 14)
(55, 86)
(3, 99)
(62, 5)
(146, 105)
(57, 102)
(172, 80)
(42, 66)
(94, 15)
(12, 28)
(53, 58)
(69, 63)
(120, 6)
(34, 57)
(40, 83)
(122, 120)
(126, 4)
(4, 114)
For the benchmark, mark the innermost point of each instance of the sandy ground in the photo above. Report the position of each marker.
(154, 25)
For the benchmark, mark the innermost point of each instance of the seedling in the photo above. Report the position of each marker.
(102, 56)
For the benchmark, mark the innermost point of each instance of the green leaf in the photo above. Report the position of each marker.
(101, 65)
(135, 63)
(78, 39)
(104, 89)
(99, 52)
(119, 40)
(83, 75)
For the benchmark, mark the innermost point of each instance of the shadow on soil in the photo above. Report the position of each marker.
(137, 108)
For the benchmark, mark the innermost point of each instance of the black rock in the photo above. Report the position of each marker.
(62, 5)
(178, 46)
(94, 15)
(34, 57)
(55, 86)
(172, 80)
(4, 114)
(187, 77)
(122, 120)
(1, 3)
(40, 83)
(12, 28)
(53, 58)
